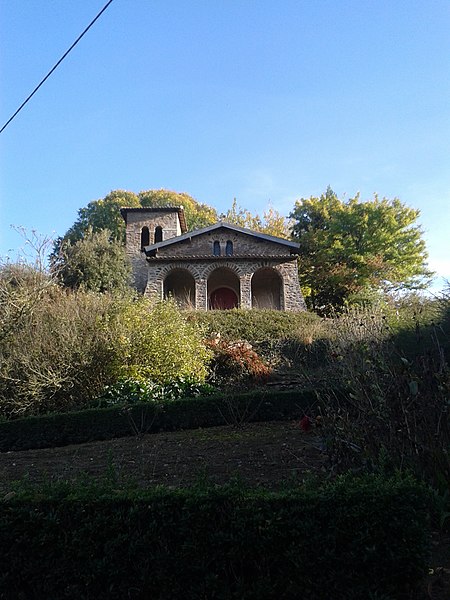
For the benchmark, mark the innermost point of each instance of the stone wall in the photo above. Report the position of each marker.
(250, 254)
(202, 245)
(244, 268)
(168, 221)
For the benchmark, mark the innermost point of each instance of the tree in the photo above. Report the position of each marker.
(350, 247)
(197, 215)
(102, 214)
(93, 263)
(271, 223)
(81, 249)
(105, 213)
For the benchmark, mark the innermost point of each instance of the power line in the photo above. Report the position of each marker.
(56, 66)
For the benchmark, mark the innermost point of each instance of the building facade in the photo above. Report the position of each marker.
(218, 267)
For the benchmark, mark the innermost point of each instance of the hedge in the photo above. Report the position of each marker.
(189, 413)
(259, 324)
(351, 539)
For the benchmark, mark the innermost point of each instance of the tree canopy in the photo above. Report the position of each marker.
(271, 223)
(93, 263)
(105, 213)
(349, 247)
(197, 215)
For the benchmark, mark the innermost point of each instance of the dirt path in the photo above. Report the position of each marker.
(259, 454)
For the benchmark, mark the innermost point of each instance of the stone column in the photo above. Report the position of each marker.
(155, 289)
(246, 291)
(293, 299)
(201, 294)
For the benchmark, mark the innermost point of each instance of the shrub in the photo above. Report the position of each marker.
(351, 539)
(164, 415)
(397, 408)
(57, 352)
(129, 391)
(59, 349)
(156, 342)
(259, 325)
(236, 363)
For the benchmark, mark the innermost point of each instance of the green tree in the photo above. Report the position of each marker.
(105, 213)
(351, 247)
(271, 223)
(93, 263)
(101, 214)
(197, 215)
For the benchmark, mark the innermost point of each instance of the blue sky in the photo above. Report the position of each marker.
(259, 100)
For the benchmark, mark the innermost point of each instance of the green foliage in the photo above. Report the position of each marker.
(101, 214)
(104, 214)
(353, 246)
(95, 262)
(59, 349)
(156, 342)
(165, 414)
(197, 215)
(258, 325)
(271, 223)
(129, 391)
(55, 351)
(351, 539)
(398, 390)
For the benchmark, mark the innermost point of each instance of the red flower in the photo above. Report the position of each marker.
(305, 423)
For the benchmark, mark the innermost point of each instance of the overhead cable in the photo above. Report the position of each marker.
(56, 66)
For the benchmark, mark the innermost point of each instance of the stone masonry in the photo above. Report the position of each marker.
(212, 265)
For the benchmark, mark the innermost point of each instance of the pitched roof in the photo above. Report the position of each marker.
(221, 225)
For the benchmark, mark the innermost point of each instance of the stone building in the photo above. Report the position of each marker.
(218, 267)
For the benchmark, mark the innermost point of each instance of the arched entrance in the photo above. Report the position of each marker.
(266, 289)
(180, 285)
(223, 289)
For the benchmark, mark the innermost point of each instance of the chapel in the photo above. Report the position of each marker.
(221, 266)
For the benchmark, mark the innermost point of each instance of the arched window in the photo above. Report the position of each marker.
(158, 234)
(229, 248)
(216, 248)
(145, 237)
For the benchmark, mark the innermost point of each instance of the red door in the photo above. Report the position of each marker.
(223, 298)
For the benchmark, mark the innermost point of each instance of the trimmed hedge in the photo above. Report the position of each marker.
(189, 413)
(351, 539)
(259, 324)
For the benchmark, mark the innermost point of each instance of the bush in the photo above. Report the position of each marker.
(259, 325)
(397, 409)
(236, 363)
(129, 391)
(57, 352)
(147, 417)
(59, 349)
(351, 539)
(155, 342)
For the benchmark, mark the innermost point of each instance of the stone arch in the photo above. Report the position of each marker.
(267, 285)
(223, 288)
(158, 234)
(179, 284)
(236, 269)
